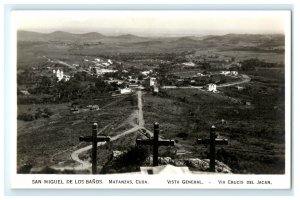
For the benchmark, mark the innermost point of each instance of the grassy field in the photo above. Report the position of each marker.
(255, 130)
(40, 139)
(244, 55)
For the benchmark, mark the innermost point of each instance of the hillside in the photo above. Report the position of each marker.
(232, 40)
(57, 36)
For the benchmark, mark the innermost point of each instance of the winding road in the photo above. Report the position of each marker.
(85, 164)
(245, 78)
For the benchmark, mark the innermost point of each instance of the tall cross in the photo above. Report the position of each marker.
(155, 142)
(212, 141)
(94, 139)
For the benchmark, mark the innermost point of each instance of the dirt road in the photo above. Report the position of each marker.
(245, 78)
(85, 164)
(140, 112)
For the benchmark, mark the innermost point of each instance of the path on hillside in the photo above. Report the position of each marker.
(85, 164)
(245, 78)
(56, 61)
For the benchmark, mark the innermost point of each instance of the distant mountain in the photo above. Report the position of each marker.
(246, 39)
(127, 36)
(185, 39)
(93, 35)
(57, 36)
(223, 42)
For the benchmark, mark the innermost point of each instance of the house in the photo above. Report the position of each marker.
(231, 73)
(59, 74)
(189, 64)
(109, 61)
(125, 90)
(133, 85)
(234, 73)
(25, 92)
(66, 78)
(105, 64)
(212, 87)
(225, 73)
(152, 81)
(239, 87)
(104, 71)
(155, 89)
(146, 73)
(93, 107)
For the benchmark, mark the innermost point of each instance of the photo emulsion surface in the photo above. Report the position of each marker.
(151, 92)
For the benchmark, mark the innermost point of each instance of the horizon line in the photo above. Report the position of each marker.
(152, 35)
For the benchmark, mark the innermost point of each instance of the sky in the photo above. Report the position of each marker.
(153, 23)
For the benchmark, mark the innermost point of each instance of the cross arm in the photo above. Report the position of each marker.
(90, 138)
(160, 142)
(144, 142)
(166, 143)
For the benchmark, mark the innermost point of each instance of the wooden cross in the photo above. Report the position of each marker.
(212, 141)
(155, 142)
(94, 139)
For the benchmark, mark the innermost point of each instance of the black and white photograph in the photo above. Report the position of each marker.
(162, 93)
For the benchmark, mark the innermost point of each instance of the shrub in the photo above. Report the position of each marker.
(48, 112)
(25, 117)
(182, 135)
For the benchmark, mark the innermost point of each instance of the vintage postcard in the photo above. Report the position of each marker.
(151, 99)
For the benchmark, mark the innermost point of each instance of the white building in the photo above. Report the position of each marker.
(234, 73)
(104, 71)
(212, 87)
(109, 61)
(146, 73)
(189, 64)
(105, 64)
(152, 81)
(59, 74)
(155, 89)
(93, 107)
(225, 73)
(66, 77)
(125, 91)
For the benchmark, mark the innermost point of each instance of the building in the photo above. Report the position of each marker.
(225, 73)
(125, 91)
(212, 87)
(109, 61)
(66, 77)
(59, 74)
(155, 89)
(231, 73)
(152, 81)
(146, 73)
(189, 64)
(239, 87)
(234, 73)
(93, 107)
(104, 71)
